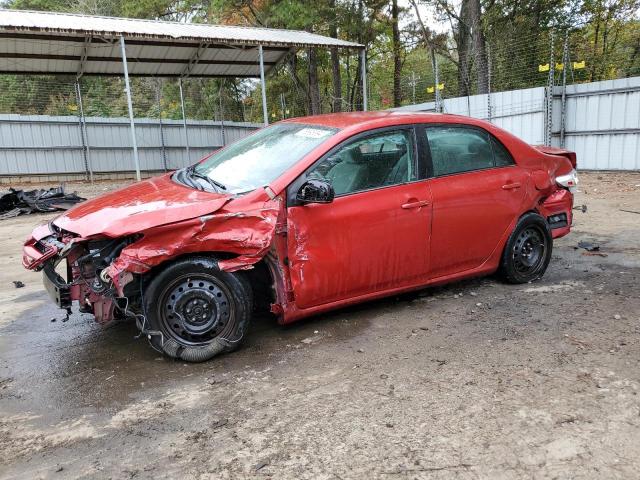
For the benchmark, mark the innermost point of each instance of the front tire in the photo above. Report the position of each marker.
(196, 311)
(527, 253)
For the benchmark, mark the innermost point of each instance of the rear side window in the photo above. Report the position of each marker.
(501, 157)
(461, 149)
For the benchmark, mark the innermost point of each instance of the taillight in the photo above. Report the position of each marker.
(568, 181)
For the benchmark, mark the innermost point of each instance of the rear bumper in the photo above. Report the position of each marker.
(557, 208)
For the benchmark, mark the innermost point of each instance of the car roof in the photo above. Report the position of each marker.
(361, 119)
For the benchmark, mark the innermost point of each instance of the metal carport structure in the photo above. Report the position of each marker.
(77, 45)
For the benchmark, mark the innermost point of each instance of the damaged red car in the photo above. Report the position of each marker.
(305, 216)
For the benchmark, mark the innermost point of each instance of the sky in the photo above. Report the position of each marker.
(427, 13)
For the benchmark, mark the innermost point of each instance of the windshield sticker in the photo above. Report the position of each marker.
(312, 133)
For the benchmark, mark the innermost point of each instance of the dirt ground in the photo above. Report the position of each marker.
(473, 380)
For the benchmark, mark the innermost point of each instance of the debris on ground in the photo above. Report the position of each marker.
(630, 211)
(595, 254)
(219, 423)
(592, 248)
(588, 246)
(578, 343)
(23, 202)
(18, 284)
(311, 339)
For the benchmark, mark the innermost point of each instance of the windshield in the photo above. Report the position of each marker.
(260, 158)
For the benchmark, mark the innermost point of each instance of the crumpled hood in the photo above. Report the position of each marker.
(143, 205)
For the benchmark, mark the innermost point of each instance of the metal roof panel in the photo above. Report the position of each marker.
(109, 27)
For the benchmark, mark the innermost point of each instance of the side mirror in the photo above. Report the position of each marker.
(315, 191)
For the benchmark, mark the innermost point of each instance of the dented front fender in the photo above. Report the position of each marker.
(246, 234)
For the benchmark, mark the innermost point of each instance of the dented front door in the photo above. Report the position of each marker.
(359, 244)
(374, 236)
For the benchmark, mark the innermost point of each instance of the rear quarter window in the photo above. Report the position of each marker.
(501, 156)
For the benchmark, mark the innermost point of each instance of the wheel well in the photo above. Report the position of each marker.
(259, 277)
(533, 210)
(263, 285)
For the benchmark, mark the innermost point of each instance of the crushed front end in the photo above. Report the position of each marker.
(75, 269)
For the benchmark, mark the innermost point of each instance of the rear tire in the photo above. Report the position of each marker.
(196, 311)
(527, 253)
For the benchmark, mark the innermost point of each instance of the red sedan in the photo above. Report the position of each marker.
(306, 216)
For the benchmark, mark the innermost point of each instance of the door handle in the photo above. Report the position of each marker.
(416, 204)
(511, 186)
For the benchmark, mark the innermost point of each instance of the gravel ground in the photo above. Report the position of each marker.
(477, 379)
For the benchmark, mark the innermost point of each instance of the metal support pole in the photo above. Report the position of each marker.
(436, 81)
(282, 106)
(489, 107)
(164, 150)
(83, 133)
(263, 87)
(563, 109)
(413, 88)
(127, 88)
(184, 122)
(550, 82)
(363, 63)
(224, 140)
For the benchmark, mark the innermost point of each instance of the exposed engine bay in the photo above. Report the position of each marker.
(78, 271)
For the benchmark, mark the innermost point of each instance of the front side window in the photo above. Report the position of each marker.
(461, 149)
(376, 161)
(259, 159)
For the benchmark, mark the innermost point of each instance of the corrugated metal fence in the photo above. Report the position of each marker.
(45, 145)
(600, 121)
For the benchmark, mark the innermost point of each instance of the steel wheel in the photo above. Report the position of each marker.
(529, 250)
(194, 309)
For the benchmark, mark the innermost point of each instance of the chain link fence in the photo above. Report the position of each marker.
(511, 62)
(180, 120)
(515, 60)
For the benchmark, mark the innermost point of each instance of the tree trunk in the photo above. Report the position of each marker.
(356, 95)
(463, 42)
(314, 88)
(479, 46)
(397, 61)
(301, 91)
(336, 79)
(356, 88)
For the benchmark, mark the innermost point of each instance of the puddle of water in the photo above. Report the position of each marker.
(78, 364)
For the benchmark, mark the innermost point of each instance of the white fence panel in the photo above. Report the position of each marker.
(49, 145)
(520, 112)
(602, 119)
(602, 123)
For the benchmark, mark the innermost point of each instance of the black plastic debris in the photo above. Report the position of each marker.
(582, 208)
(23, 202)
(588, 246)
(18, 284)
